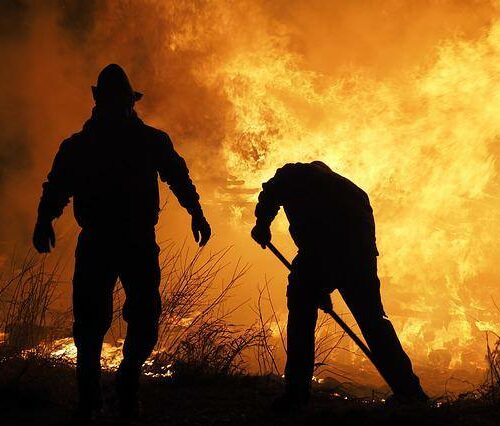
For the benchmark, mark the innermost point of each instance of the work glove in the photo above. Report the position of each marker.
(261, 234)
(325, 302)
(44, 238)
(201, 229)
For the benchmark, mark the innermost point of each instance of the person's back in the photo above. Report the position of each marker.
(326, 211)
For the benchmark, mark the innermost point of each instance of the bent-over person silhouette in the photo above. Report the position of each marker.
(110, 169)
(332, 224)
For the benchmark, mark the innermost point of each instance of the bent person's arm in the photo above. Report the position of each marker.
(270, 198)
(173, 170)
(268, 206)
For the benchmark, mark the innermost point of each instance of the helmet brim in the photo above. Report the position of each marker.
(137, 96)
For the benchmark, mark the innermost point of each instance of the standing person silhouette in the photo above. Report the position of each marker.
(332, 224)
(110, 169)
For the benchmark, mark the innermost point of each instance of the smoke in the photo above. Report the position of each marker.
(173, 52)
(400, 96)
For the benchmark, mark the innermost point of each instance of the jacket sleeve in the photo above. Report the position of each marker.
(58, 188)
(173, 170)
(271, 196)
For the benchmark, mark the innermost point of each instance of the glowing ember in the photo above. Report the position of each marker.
(164, 371)
(317, 379)
(65, 349)
(111, 356)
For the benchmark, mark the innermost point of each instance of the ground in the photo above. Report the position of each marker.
(38, 392)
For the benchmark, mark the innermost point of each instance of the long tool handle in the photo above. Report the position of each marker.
(277, 253)
(334, 315)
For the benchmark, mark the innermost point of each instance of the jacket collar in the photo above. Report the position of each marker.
(96, 124)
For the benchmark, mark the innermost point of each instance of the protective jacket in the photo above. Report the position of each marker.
(327, 212)
(111, 171)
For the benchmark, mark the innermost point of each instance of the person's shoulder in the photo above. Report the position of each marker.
(290, 168)
(73, 142)
(155, 134)
(355, 189)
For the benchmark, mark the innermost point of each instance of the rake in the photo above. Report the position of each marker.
(334, 315)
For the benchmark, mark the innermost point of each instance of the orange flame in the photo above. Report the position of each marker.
(422, 145)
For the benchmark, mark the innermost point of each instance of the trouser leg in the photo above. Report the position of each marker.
(140, 276)
(362, 296)
(299, 368)
(93, 284)
(302, 305)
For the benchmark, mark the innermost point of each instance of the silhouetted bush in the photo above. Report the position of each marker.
(195, 332)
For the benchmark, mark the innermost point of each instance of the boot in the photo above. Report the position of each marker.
(89, 404)
(85, 413)
(127, 389)
(293, 400)
(418, 398)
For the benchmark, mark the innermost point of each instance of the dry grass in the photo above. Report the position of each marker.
(27, 294)
(271, 352)
(490, 391)
(199, 339)
(195, 328)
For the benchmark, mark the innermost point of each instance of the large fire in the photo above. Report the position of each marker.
(401, 97)
(423, 145)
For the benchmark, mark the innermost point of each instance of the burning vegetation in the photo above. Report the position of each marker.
(194, 329)
(400, 97)
(199, 346)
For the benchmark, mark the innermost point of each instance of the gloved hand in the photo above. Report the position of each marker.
(325, 302)
(201, 229)
(261, 234)
(44, 237)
